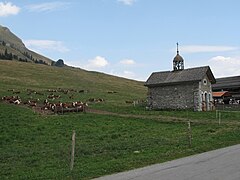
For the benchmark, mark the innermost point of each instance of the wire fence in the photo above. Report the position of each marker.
(228, 107)
(222, 114)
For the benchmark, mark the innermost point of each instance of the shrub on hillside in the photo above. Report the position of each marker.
(59, 63)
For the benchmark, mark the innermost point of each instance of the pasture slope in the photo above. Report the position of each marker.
(114, 136)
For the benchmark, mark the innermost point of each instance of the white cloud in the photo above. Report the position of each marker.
(127, 2)
(225, 66)
(100, 64)
(48, 6)
(96, 63)
(203, 48)
(124, 73)
(127, 62)
(128, 74)
(7, 9)
(39, 45)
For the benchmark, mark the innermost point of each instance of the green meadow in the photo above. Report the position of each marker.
(116, 137)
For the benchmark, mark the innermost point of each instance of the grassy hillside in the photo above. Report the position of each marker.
(38, 146)
(22, 76)
(7, 36)
(14, 45)
(42, 77)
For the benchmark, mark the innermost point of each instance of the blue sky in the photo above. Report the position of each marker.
(130, 38)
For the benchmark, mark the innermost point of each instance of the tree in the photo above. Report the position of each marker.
(6, 52)
(15, 57)
(7, 55)
(59, 63)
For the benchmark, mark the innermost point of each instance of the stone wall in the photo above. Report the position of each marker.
(205, 92)
(179, 96)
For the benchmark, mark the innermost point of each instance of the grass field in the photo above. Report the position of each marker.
(37, 146)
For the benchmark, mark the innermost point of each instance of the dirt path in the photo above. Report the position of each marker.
(155, 117)
(159, 117)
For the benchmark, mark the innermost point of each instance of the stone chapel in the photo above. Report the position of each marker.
(181, 88)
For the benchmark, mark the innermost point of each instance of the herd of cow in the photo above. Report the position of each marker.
(52, 100)
(56, 107)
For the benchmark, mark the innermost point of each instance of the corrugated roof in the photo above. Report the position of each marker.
(185, 75)
(227, 82)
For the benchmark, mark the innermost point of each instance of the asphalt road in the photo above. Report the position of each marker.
(221, 164)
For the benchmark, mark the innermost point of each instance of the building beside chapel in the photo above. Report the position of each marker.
(227, 90)
(181, 88)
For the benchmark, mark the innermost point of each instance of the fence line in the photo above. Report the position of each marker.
(73, 150)
(228, 111)
(219, 114)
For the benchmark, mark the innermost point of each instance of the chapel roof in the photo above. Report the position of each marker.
(177, 77)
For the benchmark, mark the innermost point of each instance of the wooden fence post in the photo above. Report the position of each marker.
(219, 118)
(73, 150)
(189, 134)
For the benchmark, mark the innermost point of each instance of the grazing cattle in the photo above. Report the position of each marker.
(100, 100)
(48, 106)
(91, 99)
(129, 102)
(59, 107)
(111, 92)
(17, 102)
(58, 104)
(95, 100)
(39, 93)
(51, 90)
(66, 91)
(30, 91)
(68, 105)
(45, 101)
(52, 96)
(71, 96)
(56, 96)
(64, 107)
(79, 104)
(34, 100)
(81, 91)
(73, 90)
(16, 92)
(9, 90)
(7, 98)
(60, 90)
(12, 99)
(32, 103)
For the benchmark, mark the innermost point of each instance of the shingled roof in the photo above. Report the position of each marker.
(176, 77)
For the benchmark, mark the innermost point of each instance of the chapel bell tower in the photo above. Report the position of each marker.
(178, 63)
